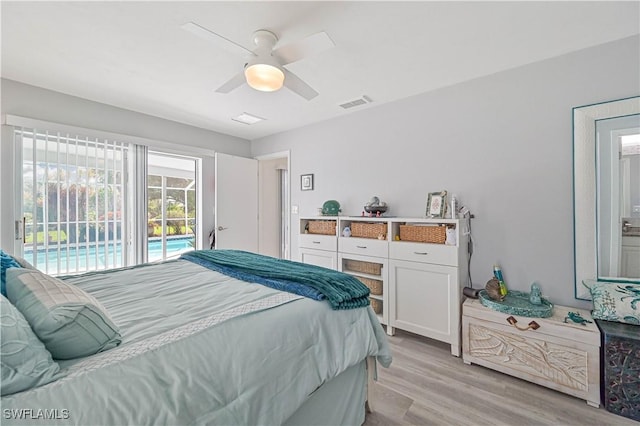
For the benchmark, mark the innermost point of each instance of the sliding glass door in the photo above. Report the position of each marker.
(171, 205)
(73, 199)
(84, 201)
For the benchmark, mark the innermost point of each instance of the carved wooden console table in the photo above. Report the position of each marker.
(561, 356)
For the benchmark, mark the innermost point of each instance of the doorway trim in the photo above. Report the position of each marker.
(272, 156)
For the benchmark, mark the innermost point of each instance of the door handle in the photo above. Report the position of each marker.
(221, 228)
(19, 229)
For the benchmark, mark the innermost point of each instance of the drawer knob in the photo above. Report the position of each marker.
(532, 325)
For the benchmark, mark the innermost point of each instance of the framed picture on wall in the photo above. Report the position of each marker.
(306, 182)
(436, 204)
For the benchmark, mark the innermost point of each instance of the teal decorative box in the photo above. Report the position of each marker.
(517, 303)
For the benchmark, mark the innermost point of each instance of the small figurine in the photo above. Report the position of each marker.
(535, 295)
(577, 318)
(493, 290)
(346, 232)
(397, 238)
(451, 237)
(362, 213)
(377, 214)
(306, 228)
(382, 237)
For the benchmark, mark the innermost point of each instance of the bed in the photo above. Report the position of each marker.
(198, 346)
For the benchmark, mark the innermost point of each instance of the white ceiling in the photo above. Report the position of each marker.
(134, 55)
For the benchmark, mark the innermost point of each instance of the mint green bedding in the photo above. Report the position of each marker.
(199, 347)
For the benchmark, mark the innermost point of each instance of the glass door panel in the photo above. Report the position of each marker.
(171, 205)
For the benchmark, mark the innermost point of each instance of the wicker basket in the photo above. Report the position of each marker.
(368, 230)
(423, 234)
(324, 227)
(374, 285)
(364, 267)
(377, 306)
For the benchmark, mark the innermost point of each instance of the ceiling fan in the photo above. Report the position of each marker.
(264, 69)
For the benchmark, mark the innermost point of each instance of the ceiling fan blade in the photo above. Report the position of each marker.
(217, 39)
(308, 46)
(235, 82)
(295, 84)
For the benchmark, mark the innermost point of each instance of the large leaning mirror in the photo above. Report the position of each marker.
(606, 173)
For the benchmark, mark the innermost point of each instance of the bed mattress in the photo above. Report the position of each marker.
(200, 347)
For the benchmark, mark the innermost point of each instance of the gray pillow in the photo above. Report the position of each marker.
(26, 363)
(23, 262)
(70, 322)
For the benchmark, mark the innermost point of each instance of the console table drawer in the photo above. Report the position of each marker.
(320, 242)
(364, 246)
(425, 253)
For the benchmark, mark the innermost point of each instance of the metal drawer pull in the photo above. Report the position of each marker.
(420, 252)
(316, 242)
(532, 325)
(361, 246)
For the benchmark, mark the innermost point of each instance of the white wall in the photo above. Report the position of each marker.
(34, 102)
(41, 104)
(502, 143)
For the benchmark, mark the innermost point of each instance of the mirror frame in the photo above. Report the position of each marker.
(584, 185)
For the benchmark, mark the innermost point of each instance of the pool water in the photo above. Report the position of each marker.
(98, 257)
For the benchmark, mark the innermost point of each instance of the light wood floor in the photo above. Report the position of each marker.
(426, 385)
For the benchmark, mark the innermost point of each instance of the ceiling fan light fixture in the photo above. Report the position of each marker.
(264, 77)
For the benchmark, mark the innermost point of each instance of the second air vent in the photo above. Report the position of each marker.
(356, 102)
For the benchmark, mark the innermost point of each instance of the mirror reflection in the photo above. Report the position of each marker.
(618, 197)
(602, 211)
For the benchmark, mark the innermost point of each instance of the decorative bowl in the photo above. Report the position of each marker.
(331, 208)
(375, 209)
(517, 303)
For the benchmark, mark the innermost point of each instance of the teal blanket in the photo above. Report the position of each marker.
(341, 290)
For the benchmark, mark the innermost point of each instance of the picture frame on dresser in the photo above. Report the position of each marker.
(436, 204)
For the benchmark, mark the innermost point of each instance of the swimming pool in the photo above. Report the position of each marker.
(98, 256)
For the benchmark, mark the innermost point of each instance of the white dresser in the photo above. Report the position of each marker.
(421, 282)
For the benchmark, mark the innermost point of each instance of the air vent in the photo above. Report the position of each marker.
(246, 118)
(357, 102)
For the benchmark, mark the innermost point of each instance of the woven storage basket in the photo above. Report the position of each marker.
(364, 267)
(368, 230)
(374, 285)
(423, 234)
(377, 306)
(324, 227)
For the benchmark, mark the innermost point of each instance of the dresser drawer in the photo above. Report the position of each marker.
(364, 246)
(425, 253)
(319, 242)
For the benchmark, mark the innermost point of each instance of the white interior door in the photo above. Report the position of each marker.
(236, 202)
